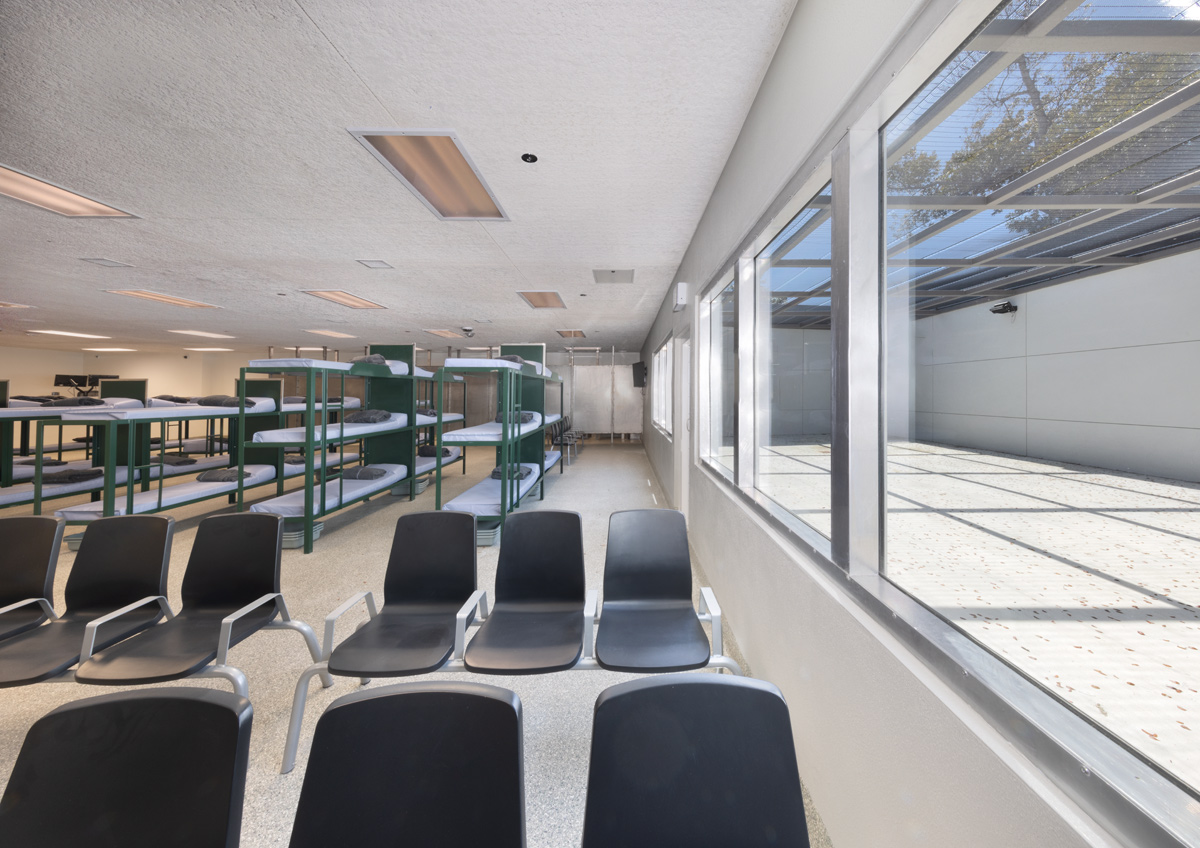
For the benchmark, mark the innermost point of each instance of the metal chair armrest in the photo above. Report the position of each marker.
(590, 605)
(710, 610)
(331, 619)
(89, 632)
(465, 617)
(227, 622)
(42, 602)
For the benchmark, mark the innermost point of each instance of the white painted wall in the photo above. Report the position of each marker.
(801, 384)
(31, 371)
(1100, 371)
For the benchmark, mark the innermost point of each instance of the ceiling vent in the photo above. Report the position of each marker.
(610, 276)
(571, 334)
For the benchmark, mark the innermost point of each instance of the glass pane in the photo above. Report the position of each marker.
(1043, 452)
(722, 375)
(793, 277)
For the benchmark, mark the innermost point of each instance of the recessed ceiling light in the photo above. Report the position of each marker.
(528, 157)
(40, 193)
(201, 333)
(333, 334)
(344, 298)
(109, 263)
(571, 334)
(437, 169)
(308, 348)
(608, 276)
(543, 299)
(479, 348)
(4, 305)
(210, 349)
(111, 349)
(373, 263)
(445, 334)
(73, 335)
(168, 299)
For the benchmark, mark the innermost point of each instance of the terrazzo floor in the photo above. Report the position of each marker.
(350, 557)
(1086, 580)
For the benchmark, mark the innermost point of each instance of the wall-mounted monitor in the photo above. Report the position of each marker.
(639, 374)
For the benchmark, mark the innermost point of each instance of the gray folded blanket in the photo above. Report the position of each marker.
(31, 398)
(221, 475)
(371, 359)
(367, 416)
(75, 401)
(46, 463)
(73, 476)
(293, 459)
(237, 402)
(177, 459)
(173, 398)
(515, 471)
(525, 418)
(214, 400)
(363, 472)
(430, 450)
(512, 357)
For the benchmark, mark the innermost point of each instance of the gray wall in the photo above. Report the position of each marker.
(890, 755)
(1100, 371)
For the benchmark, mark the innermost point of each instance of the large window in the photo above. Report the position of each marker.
(662, 406)
(1043, 417)
(719, 317)
(793, 306)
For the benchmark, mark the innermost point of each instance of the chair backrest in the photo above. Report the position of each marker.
(29, 546)
(647, 556)
(693, 759)
(433, 558)
(132, 769)
(121, 559)
(234, 560)
(416, 764)
(541, 557)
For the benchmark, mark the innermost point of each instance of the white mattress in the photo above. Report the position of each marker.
(292, 504)
(291, 470)
(25, 470)
(492, 431)
(23, 492)
(552, 457)
(327, 364)
(484, 497)
(482, 363)
(429, 420)
(425, 464)
(551, 417)
(293, 435)
(171, 495)
(347, 403)
(16, 403)
(162, 413)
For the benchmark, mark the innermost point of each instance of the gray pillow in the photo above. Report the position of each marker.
(232, 401)
(525, 417)
(75, 401)
(178, 459)
(213, 400)
(73, 476)
(512, 357)
(173, 398)
(371, 359)
(515, 471)
(363, 472)
(293, 459)
(221, 475)
(367, 416)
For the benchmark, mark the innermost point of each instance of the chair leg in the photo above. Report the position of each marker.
(227, 672)
(310, 639)
(297, 717)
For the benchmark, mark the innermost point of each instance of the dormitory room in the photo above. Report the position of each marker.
(757, 423)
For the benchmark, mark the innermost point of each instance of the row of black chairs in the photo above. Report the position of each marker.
(117, 626)
(698, 760)
(543, 620)
(562, 436)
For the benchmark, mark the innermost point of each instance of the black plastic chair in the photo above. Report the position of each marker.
(429, 599)
(230, 591)
(693, 759)
(132, 769)
(29, 546)
(647, 622)
(416, 764)
(120, 572)
(536, 624)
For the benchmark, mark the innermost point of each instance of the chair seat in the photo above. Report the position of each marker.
(528, 638)
(400, 641)
(174, 649)
(20, 620)
(51, 649)
(650, 636)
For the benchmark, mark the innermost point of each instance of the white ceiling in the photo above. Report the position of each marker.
(223, 126)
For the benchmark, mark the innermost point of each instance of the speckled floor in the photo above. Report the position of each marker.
(350, 558)
(1086, 580)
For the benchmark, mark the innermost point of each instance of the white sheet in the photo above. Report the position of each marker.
(327, 364)
(332, 460)
(292, 504)
(294, 435)
(482, 363)
(484, 497)
(15, 403)
(162, 413)
(347, 403)
(490, 432)
(425, 464)
(23, 492)
(552, 457)
(552, 417)
(171, 495)
(429, 420)
(398, 368)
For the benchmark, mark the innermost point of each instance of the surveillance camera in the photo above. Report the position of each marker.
(468, 331)
(1004, 307)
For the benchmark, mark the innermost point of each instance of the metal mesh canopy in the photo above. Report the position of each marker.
(1064, 140)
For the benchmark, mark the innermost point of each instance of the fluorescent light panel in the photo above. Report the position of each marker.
(344, 298)
(445, 334)
(109, 263)
(72, 335)
(202, 334)
(159, 297)
(111, 349)
(543, 299)
(308, 348)
(479, 348)
(4, 305)
(436, 168)
(210, 349)
(377, 264)
(42, 194)
(571, 334)
(333, 334)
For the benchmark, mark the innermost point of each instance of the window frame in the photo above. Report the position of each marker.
(662, 387)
